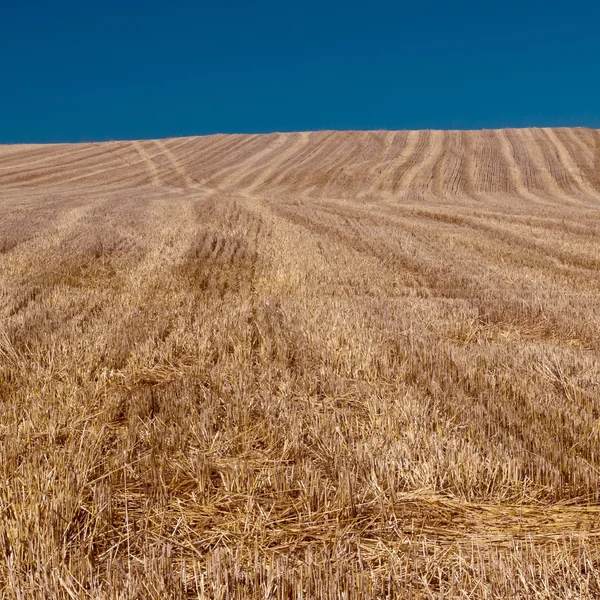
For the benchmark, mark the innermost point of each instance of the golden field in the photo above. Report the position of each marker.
(314, 365)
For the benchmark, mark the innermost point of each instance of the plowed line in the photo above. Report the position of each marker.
(299, 159)
(44, 177)
(569, 165)
(241, 169)
(224, 160)
(537, 158)
(517, 180)
(272, 166)
(424, 169)
(52, 156)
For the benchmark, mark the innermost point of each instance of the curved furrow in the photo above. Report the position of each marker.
(517, 244)
(582, 151)
(28, 154)
(128, 169)
(596, 151)
(182, 149)
(118, 155)
(466, 183)
(333, 172)
(198, 159)
(233, 155)
(135, 169)
(108, 181)
(584, 145)
(131, 171)
(322, 167)
(535, 181)
(231, 175)
(401, 146)
(455, 164)
(420, 180)
(353, 176)
(108, 168)
(183, 174)
(571, 225)
(569, 164)
(153, 170)
(518, 170)
(554, 165)
(211, 158)
(294, 168)
(536, 155)
(48, 154)
(378, 164)
(49, 173)
(172, 155)
(8, 150)
(207, 151)
(376, 145)
(446, 169)
(549, 166)
(174, 173)
(294, 143)
(491, 171)
(212, 170)
(410, 161)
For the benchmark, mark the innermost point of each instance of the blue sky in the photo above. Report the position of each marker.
(75, 71)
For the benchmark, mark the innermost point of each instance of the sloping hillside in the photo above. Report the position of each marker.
(314, 365)
(530, 165)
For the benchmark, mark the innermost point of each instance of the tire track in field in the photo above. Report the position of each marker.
(153, 170)
(544, 167)
(124, 179)
(187, 179)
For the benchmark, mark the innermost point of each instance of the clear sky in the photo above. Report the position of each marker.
(73, 70)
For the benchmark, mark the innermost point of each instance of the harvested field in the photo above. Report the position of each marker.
(313, 365)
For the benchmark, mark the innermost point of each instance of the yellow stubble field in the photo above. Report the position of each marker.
(314, 365)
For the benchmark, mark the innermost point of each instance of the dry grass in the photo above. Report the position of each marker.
(328, 365)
